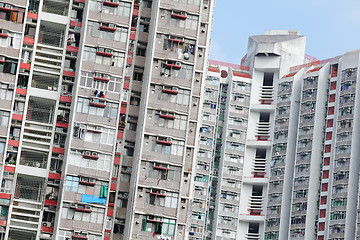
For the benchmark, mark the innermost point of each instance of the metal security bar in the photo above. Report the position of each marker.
(40, 110)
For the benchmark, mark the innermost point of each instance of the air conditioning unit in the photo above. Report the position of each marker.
(168, 139)
(91, 180)
(98, 128)
(87, 153)
(46, 224)
(73, 205)
(80, 233)
(95, 154)
(88, 207)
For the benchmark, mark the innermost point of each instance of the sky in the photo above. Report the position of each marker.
(331, 27)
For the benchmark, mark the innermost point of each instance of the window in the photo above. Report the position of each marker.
(125, 177)
(8, 65)
(191, 21)
(198, 216)
(309, 93)
(176, 148)
(119, 35)
(83, 106)
(144, 27)
(158, 225)
(147, 3)
(112, 85)
(94, 134)
(138, 74)
(229, 195)
(116, 59)
(95, 216)
(284, 98)
(190, 2)
(87, 186)
(13, 40)
(141, 49)
(135, 98)
(185, 72)
(182, 97)
(201, 178)
(307, 118)
(122, 10)
(182, 46)
(66, 235)
(348, 85)
(310, 80)
(346, 111)
(240, 122)
(348, 73)
(11, 13)
(179, 122)
(102, 163)
(235, 146)
(163, 171)
(5, 92)
(212, 80)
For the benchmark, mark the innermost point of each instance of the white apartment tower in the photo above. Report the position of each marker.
(287, 169)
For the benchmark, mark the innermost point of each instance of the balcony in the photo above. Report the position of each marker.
(33, 159)
(51, 34)
(259, 168)
(30, 188)
(263, 131)
(40, 110)
(58, 7)
(266, 95)
(310, 83)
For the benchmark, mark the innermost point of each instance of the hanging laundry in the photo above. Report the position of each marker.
(186, 56)
(186, 49)
(180, 54)
(191, 49)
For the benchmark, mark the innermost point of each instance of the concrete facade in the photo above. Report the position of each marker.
(100, 114)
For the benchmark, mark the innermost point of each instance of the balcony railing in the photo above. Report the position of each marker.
(56, 7)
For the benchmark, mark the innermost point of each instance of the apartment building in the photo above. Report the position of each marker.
(100, 115)
(281, 168)
(246, 109)
(302, 125)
